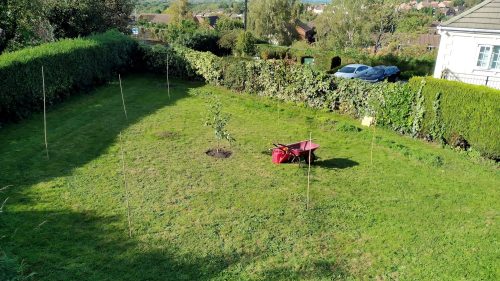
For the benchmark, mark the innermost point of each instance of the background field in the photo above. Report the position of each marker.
(418, 212)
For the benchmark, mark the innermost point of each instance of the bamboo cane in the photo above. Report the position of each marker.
(168, 81)
(309, 172)
(373, 141)
(125, 187)
(45, 114)
(123, 98)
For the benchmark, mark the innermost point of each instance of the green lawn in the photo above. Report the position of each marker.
(419, 212)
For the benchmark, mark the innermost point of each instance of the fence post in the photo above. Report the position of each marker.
(487, 79)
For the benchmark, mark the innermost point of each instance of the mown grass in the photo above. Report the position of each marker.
(418, 213)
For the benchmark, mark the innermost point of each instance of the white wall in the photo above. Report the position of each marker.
(458, 52)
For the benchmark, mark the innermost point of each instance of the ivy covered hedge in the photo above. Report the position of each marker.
(460, 110)
(324, 60)
(70, 66)
(464, 110)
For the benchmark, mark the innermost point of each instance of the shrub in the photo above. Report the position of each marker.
(156, 58)
(228, 39)
(268, 52)
(466, 110)
(228, 24)
(187, 34)
(70, 66)
(245, 44)
(203, 64)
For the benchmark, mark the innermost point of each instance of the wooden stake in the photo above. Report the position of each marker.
(373, 141)
(123, 98)
(126, 188)
(168, 81)
(45, 114)
(309, 172)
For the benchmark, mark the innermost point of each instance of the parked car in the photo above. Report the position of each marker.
(351, 71)
(380, 73)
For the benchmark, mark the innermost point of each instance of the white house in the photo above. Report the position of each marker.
(470, 46)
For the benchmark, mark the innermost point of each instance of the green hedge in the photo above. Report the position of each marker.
(467, 110)
(322, 59)
(70, 66)
(409, 66)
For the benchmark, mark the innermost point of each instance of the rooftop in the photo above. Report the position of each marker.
(483, 16)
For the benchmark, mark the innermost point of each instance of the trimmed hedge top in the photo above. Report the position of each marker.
(70, 66)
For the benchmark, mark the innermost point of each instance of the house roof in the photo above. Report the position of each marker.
(211, 20)
(304, 26)
(482, 16)
(156, 18)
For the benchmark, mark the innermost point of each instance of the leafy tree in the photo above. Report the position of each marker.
(73, 18)
(245, 43)
(228, 39)
(345, 24)
(22, 23)
(227, 24)
(179, 10)
(217, 120)
(383, 19)
(414, 23)
(272, 19)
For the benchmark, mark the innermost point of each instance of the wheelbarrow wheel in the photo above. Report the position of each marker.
(313, 158)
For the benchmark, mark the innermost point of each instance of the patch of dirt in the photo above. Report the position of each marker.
(220, 154)
(167, 135)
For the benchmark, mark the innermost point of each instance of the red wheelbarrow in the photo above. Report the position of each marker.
(286, 153)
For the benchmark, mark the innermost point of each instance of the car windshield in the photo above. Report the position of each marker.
(374, 71)
(347, 69)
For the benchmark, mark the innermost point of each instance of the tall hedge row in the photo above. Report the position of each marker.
(467, 110)
(70, 66)
(409, 66)
(461, 110)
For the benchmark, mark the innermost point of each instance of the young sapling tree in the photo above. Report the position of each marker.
(217, 120)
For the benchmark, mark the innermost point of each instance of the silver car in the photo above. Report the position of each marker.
(351, 71)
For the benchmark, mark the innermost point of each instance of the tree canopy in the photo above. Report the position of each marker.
(272, 19)
(31, 22)
(179, 10)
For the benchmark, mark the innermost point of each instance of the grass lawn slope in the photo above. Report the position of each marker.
(419, 212)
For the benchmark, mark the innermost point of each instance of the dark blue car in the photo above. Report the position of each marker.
(380, 73)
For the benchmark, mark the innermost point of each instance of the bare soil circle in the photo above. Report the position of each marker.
(220, 153)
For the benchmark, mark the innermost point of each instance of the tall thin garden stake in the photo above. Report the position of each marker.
(309, 173)
(373, 141)
(44, 114)
(126, 188)
(168, 81)
(123, 98)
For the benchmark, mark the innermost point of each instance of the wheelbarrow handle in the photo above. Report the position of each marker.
(280, 147)
(279, 144)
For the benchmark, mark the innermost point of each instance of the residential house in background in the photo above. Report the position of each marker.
(470, 46)
(155, 18)
(208, 19)
(305, 30)
(317, 9)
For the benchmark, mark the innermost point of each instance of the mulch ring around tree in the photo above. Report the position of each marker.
(220, 153)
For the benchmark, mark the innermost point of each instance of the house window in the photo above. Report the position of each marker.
(489, 57)
(495, 61)
(484, 56)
